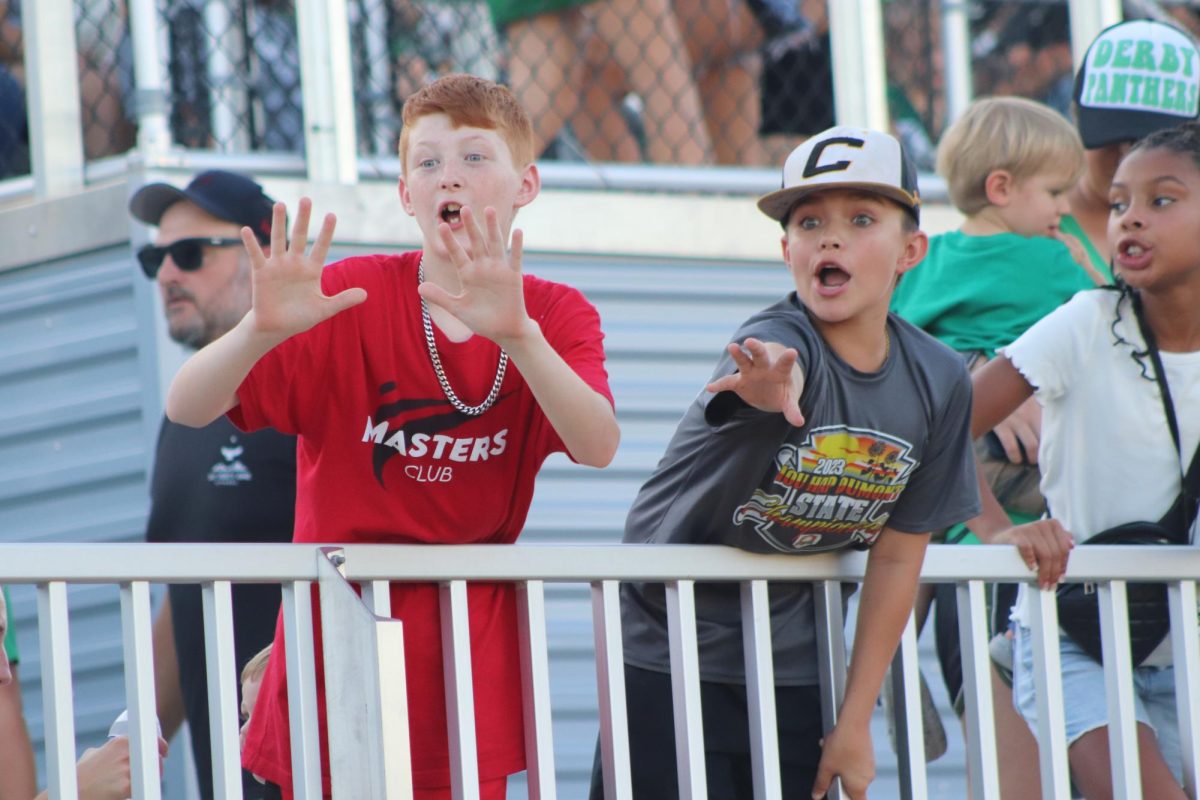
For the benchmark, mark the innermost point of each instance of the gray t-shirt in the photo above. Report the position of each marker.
(890, 447)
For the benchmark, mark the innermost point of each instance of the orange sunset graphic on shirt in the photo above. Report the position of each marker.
(834, 490)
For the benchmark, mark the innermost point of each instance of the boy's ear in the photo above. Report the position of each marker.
(998, 187)
(531, 184)
(405, 197)
(914, 251)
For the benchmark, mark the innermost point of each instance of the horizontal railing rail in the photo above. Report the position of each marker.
(602, 567)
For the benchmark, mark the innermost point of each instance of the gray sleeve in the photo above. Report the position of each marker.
(726, 407)
(943, 490)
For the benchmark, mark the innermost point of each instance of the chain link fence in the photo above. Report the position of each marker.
(661, 81)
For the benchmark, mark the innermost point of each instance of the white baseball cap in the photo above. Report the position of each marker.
(846, 158)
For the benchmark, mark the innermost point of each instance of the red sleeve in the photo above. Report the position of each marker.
(571, 325)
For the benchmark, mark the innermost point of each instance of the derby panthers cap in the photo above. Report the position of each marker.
(225, 195)
(1137, 77)
(846, 158)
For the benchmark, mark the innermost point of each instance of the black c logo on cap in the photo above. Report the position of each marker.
(811, 167)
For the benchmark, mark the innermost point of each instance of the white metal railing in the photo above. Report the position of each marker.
(368, 753)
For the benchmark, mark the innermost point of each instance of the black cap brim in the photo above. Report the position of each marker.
(150, 202)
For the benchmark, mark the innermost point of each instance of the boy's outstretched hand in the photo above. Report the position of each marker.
(287, 283)
(847, 755)
(492, 300)
(768, 378)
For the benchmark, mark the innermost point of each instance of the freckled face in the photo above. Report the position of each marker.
(448, 167)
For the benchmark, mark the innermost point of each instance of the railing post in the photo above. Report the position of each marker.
(977, 687)
(859, 70)
(366, 695)
(460, 691)
(760, 690)
(57, 696)
(1118, 685)
(220, 658)
(610, 679)
(328, 92)
(956, 53)
(150, 96)
(302, 688)
(1185, 653)
(535, 689)
(1088, 18)
(685, 689)
(139, 689)
(1047, 669)
(909, 721)
(55, 117)
(831, 654)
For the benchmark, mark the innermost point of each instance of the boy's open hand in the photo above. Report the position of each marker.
(847, 755)
(768, 378)
(492, 300)
(287, 284)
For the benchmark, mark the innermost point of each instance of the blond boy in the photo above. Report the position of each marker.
(426, 390)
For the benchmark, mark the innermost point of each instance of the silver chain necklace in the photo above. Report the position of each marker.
(427, 324)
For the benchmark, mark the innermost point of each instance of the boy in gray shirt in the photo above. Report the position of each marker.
(828, 424)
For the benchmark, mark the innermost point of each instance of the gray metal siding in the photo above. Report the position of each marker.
(73, 452)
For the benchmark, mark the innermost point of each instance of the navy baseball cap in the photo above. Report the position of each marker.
(225, 195)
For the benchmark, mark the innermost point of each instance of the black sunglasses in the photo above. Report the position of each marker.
(188, 254)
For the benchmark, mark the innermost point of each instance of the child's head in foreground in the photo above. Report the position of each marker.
(252, 675)
(472, 102)
(850, 211)
(1011, 161)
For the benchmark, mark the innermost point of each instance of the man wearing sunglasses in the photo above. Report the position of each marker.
(211, 484)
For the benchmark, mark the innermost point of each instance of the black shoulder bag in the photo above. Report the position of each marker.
(1149, 616)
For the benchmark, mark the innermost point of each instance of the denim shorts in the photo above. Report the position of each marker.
(1084, 700)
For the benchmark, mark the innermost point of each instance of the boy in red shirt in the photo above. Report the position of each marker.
(426, 390)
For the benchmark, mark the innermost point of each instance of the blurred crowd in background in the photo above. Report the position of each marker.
(690, 82)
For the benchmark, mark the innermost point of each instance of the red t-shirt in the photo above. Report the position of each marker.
(382, 456)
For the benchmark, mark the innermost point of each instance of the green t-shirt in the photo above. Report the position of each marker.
(1069, 224)
(10, 638)
(979, 293)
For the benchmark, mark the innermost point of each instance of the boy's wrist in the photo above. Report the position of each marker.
(528, 333)
(257, 341)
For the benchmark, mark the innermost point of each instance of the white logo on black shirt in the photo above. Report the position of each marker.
(230, 471)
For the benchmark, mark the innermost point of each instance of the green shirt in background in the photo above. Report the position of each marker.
(979, 293)
(10, 637)
(1069, 224)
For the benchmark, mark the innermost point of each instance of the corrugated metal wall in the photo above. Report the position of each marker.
(73, 451)
(79, 404)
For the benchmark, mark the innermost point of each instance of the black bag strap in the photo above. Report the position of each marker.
(1189, 497)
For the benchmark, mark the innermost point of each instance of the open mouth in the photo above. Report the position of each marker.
(1132, 250)
(451, 213)
(831, 275)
